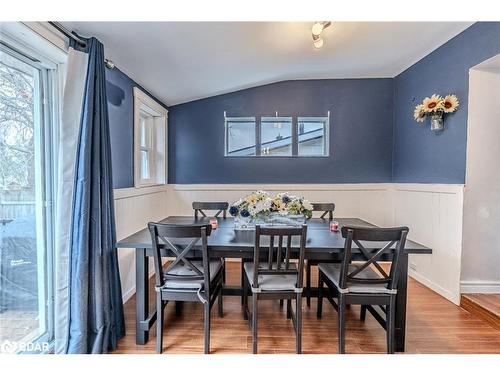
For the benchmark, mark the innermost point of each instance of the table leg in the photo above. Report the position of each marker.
(400, 332)
(141, 296)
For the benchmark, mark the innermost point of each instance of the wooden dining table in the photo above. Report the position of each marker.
(227, 242)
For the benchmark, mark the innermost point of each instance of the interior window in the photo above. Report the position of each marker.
(147, 145)
(276, 136)
(311, 135)
(150, 141)
(240, 136)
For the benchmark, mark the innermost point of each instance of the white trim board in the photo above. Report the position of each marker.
(449, 295)
(480, 286)
(137, 192)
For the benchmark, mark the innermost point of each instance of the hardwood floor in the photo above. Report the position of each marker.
(434, 325)
(484, 306)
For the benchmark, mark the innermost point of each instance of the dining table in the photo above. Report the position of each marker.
(228, 242)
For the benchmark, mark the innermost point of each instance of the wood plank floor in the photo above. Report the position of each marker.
(484, 306)
(434, 325)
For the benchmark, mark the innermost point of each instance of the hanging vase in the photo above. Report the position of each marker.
(437, 122)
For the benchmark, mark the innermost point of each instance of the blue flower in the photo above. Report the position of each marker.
(245, 213)
(233, 210)
(285, 199)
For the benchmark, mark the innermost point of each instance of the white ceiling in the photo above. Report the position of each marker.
(182, 61)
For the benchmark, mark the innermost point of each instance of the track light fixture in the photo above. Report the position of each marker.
(317, 29)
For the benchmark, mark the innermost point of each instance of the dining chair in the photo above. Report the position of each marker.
(220, 207)
(326, 209)
(185, 279)
(364, 283)
(277, 277)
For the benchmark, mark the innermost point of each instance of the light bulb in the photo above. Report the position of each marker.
(318, 43)
(317, 28)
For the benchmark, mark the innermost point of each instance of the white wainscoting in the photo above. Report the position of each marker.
(432, 212)
(369, 201)
(134, 208)
(434, 215)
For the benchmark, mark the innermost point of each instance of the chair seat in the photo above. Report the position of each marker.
(332, 272)
(180, 269)
(272, 282)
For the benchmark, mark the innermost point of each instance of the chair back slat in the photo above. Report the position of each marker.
(280, 252)
(288, 251)
(327, 209)
(163, 236)
(391, 237)
(270, 253)
(276, 255)
(200, 208)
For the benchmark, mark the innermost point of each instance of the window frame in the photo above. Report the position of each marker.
(326, 135)
(148, 147)
(158, 158)
(281, 119)
(257, 120)
(249, 119)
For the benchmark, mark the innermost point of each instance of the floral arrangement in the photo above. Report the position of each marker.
(435, 105)
(260, 203)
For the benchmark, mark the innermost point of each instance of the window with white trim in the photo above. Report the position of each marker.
(150, 123)
(312, 136)
(240, 136)
(277, 136)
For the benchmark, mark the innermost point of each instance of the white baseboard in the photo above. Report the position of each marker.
(128, 294)
(480, 286)
(435, 287)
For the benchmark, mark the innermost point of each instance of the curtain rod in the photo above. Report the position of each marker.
(69, 34)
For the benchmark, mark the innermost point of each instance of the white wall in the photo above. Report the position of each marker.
(432, 212)
(481, 227)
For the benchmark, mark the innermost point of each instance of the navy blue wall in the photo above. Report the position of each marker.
(361, 133)
(120, 93)
(373, 137)
(420, 155)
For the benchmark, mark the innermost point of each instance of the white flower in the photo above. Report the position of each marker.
(307, 205)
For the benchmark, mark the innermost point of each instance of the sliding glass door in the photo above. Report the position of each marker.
(26, 155)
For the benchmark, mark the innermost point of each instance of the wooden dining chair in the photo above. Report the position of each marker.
(185, 279)
(364, 283)
(277, 277)
(327, 210)
(220, 207)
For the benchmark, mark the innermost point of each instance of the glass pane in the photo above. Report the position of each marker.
(311, 137)
(276, 136)
(145, 165)
(146, 123)
(240, 138)
(23, 272)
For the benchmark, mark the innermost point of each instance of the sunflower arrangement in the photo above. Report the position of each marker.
(435, 105)
(260, 203)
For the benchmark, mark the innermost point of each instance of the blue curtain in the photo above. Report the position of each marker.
(96, 318)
